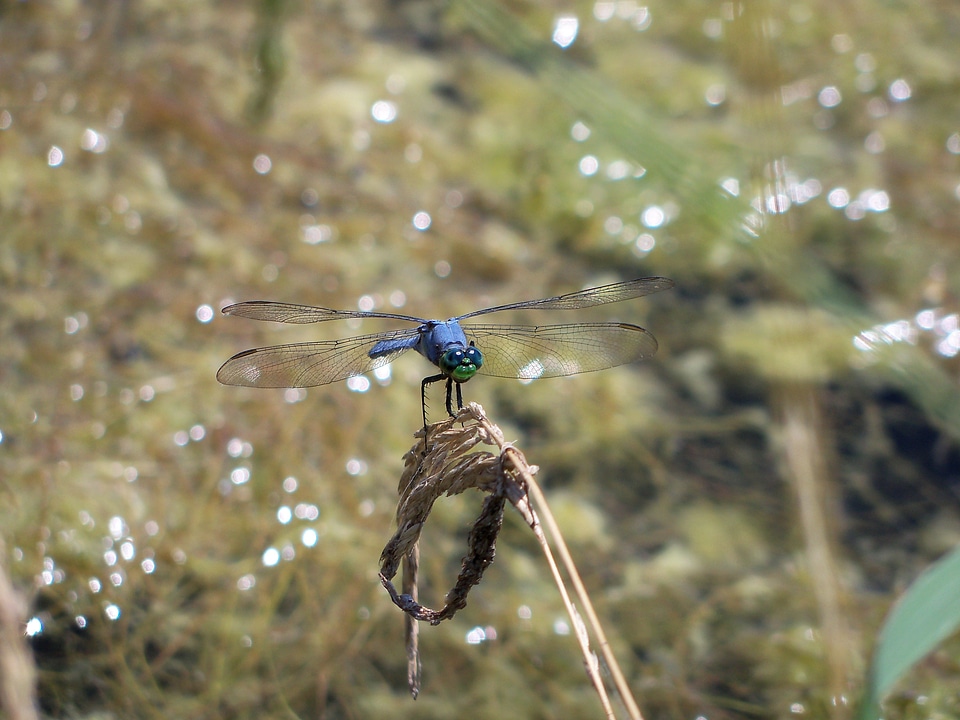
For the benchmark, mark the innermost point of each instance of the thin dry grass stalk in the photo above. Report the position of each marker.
(451, 464)
(18, 674)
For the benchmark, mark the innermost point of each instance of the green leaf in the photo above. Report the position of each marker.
(926, 615)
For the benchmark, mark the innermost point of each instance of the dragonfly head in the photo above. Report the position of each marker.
(460, 363)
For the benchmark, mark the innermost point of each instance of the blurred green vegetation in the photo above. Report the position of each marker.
(745, 508)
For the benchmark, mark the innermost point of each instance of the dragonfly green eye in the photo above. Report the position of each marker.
(461, 364)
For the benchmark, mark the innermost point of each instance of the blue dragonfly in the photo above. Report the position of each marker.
(459, 350)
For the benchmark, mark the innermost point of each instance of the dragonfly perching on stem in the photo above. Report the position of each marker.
(459, 351)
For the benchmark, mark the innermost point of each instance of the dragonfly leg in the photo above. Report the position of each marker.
(423, 393)
(449, 389)
(450, 383)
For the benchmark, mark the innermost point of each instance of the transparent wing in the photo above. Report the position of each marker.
(300, 314)
(602, 295)
(309, 364)
(535, 351)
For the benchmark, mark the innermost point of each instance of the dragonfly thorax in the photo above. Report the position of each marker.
(460, 363)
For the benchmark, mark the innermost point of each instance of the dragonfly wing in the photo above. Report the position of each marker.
(530, 352)
(616, 292)
(300, 314)
(310, 364)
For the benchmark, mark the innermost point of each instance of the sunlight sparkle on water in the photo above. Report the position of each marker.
(290, 484)
(644, 243)
(34, 627)
(874, 143)
(74, 323)
(716, 94)
(271, 556)
(306, 511)
(55, 156)
(653, 217)
(356, 466)
(383, 111)
(284, 514)
(900, 90)
(713, 28)
(112, 612)
(94, 142)
(294, 395)
(309, 537)
(618, 170)
(128, 550)
(565, 30)
(589, 165)
(314, 234)
(398, 298)
(731, 185)
(475, 636)
(422, 220)
(929, 326)
(246, 582)
(838, 197)
(204, 313)
(613, 225)
(829, 96)
(453, 199)
(358, 384)
(531, 371)
(116, 527)
(262, 164)
(641, 18)
(604, 10)
(239, 448)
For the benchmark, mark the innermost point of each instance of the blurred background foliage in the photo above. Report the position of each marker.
(746, 507)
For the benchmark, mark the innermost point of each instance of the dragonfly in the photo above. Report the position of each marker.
(459, 350)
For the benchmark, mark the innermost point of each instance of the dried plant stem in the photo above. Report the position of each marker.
(17, 671)
(802, 424)
(447, 466)
(619, 681)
